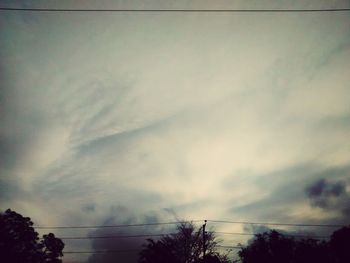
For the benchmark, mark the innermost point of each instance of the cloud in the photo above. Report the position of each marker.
(128, 248)
(324, 188)
(280, 195)
(329, 195)
(207, 115)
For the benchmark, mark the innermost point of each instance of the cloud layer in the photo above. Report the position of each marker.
(217, 116)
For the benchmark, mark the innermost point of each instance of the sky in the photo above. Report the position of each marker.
(110, 118)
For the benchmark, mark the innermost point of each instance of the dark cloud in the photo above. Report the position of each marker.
(338, 189)
(130, 247)
(288, 187)
(325, 194)
(325, 189)
(316, 189)
(330, 196)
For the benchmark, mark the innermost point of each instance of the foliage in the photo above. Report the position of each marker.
(273, 247)
(185, 246)
(340, 245)
(19, 243)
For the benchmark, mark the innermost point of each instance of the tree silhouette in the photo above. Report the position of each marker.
(185, 246)
(273, 247)
(340, 245)
(19, 243)
(268, 247)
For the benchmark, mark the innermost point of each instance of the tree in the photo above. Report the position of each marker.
(19, 243)
(268, 247)
(274, 247)
(340, 245)
(185, 246)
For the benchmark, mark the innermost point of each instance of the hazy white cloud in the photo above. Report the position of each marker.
(214, 115)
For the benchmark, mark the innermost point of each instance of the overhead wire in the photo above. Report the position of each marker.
(124, 250)
(106, 237)
(275, 224)
(165, 234)
(101, 251)
(169, 223)
(178, 10)
(193, 221)
(116, 226)
(252, 234)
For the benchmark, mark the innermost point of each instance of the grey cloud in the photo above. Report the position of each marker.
(329, 195)
(324, 188)
(130, 246)
(288, 187)
(316, 189)
(338, 189)
(132, 127)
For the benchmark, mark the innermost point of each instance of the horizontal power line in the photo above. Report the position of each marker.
(178, 10)
(193, 221)
(106, 237)
(274, 224)
(160, 235)
(101, 251)
(117, 226)
(251, 234)
(121, 251)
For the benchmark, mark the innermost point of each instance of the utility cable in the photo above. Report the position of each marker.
(178, 10)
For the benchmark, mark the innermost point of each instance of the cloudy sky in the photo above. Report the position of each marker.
(134, 117)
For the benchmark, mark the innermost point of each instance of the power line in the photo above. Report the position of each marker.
(100, 251)
(275, 224)
(116, 226)
(179, 10)
(160, 235)
(124, 250)
(106, 237)
(251, 234)
(193, 221)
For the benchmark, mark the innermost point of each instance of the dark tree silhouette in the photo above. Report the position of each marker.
(311, 250)
(19, 243)
(273, 247)
(185, 246)
(268, 247)
(340, 245)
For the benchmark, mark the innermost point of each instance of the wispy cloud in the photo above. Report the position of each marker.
(207, 115)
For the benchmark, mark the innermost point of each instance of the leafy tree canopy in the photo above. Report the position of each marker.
(19, 243)
(273, 247)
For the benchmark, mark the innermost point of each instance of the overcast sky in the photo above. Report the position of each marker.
(115, 117)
